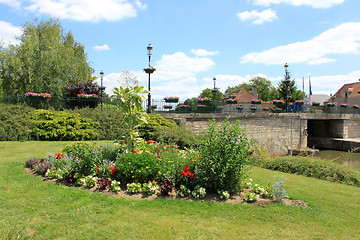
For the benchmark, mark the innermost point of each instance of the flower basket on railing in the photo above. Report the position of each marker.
(87, 97)
(299, 102)
(153, 106)
(171, 99)
(150, 69)
(201, 106)
(256, 101)
(214, 90)
(253, 109)
(239, 108)
(279, 103)
(356, 106)
(232, 101)
(167, 107)
(204, 100)
(331, 104)
(265, 109)
(102, 88)
(315, 104)
(344, 105)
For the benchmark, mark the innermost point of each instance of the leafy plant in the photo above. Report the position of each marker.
(166, 186)
(130, 103)
(251, 197)
(279, 190)
(134, 187)
(103, 183)
(140, 167)
(115, 186)
(223, 157)
(198, 192)
(224, 195)
(150, 187)
(184, 191)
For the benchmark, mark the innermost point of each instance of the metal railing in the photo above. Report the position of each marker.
(109, 103)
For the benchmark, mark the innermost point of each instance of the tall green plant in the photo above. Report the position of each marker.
(130, 103)
(224, 157)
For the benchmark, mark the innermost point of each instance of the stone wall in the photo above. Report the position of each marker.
(279, 133)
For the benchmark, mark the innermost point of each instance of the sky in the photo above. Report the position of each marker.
(196, 40)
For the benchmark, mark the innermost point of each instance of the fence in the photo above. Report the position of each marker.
(109, 103)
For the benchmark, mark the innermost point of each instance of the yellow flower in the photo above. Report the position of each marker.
(170, 161)
(175, 146)
(129, 162)
(147, 151)
(139, 171)
(159, 172)
(147, 167)
(131, 171)
(132, 176)
(186, 149)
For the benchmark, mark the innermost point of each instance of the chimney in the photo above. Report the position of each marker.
(254, 91)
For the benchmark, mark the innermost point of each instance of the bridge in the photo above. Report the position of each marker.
(283, 133)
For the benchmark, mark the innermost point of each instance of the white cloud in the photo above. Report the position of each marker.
(343, 39)
(8, 33)
(203, 52)
(85, 10)
(11, 3)
(140, 5)
(175, 75)
(102, 48)
(256, 17)
(311, 3)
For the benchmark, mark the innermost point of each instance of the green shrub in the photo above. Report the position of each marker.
(15, 123)
(179, 135)
(223, 157)
(311, 167)
(61, 126)
(155, 121)
(140, 167)
(108, 122)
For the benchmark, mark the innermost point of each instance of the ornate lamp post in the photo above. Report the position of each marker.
(286, 86)
(149, 50)
(214, 93)
(101, 87)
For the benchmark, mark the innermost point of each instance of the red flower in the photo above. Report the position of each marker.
(113, 170)
(122, 143)
(182, 172)
(150, 142)
(158, 156)
(186, 168)
(97, 170)
(136, 151)
(274, 155)
(58, 155)
(191, 176)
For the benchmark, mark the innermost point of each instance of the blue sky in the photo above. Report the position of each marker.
(195, 40)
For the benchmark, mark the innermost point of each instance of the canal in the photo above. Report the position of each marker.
(347, 159)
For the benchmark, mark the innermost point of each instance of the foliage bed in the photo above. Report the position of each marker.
(309, 167)
(217, 168)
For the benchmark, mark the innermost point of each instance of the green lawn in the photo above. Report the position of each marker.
(31, 208)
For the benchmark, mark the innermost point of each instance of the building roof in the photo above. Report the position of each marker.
(321, 98)
(352, 88)
(242, 94)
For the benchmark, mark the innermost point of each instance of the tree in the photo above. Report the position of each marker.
(209, 94)
(127, 79)
(46, 60)
(293, 93)
(265, 90)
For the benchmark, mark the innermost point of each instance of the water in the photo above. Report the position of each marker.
(347, 159)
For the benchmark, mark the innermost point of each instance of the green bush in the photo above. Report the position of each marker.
(311, 167)
(108, 122)
(140, 167)
(155, 121)
(223, 157)
(15, 123)
(61, 126)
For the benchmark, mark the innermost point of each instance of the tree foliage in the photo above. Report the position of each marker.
(46, 60)
(293, 93)
(265, 90)
(128, 78)
(209, 94)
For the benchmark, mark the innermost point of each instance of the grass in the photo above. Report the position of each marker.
(31, 208)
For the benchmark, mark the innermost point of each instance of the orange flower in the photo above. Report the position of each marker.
(137, 151)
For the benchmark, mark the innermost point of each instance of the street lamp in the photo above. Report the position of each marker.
(101, 86)
(214, 92)
(149, 50)
(286, 86)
